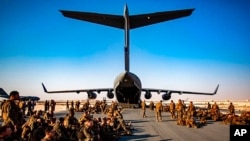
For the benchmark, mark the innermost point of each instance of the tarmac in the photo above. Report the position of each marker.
(147, 129)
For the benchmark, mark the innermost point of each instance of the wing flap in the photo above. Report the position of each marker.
(104, 19)
(78, 91)
(148, 19)
(180, 92)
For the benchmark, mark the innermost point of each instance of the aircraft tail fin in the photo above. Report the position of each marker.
(3, 93)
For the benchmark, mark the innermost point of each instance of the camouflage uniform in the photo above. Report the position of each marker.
(231, 108)
(11, 113)
(158, 110)
(121, 122)
(172, 109)
(179, 108)
(215, 111)
(143, 106)
(191, 109)
(151, 105)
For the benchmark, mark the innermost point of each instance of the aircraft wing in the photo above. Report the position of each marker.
(25, 98)
(152, 18)
(135, 20)
(178, 91)
(98, 90)
(104, 19)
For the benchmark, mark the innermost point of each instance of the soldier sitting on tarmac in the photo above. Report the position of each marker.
(121, 123)
(71, 123)
(84, 117)
(190, 122)
(61, 131)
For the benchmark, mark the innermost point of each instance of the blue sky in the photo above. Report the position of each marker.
(195, 53)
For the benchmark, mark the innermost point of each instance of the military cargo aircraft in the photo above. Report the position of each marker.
(127, 86)
(4, 95)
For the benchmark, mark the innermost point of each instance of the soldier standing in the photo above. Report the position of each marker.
(231, 108)
(158, 110)
(215, 111)
(172, 109)
(11, 112)
(29, 113)
(179, 108)
(151, 105)
(67, 105)
(191, 109)
(208, 106)
(143, 106)
(72, 104)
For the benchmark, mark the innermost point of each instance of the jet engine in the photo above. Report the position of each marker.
(147, 95)
(166, 96)
(91, 95)
(110, 94)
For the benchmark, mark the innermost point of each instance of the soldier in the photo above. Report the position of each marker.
(208, 106)
(179, 108)
(215, 111)
(85, 117)
(49, 134)
(1, 107)
(184, 106)
(29, 113)
(151, 105)
(70, 121)
(190, 122)
(88, 132)
(172, 109)
(110, 112)
(52, 106)
(231, 108)
(22, 106)
(67, 105)
(61, 130)
(72, 104)
(121, 122)
(11, 111)
(191, 109)
(158, 110)
(5, 133)
(143, 106)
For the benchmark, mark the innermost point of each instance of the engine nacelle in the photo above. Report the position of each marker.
(91, 95)
(147, 95)
(166, 96)
(110, 94)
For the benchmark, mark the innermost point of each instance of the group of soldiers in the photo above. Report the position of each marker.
(44, 126)
(98, 107)
(194, 117)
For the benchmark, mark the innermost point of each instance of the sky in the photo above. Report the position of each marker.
(196, 53)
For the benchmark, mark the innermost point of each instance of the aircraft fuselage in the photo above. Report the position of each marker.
(127, 88)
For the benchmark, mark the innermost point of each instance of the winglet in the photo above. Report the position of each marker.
(215, 91)
(44, 88)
